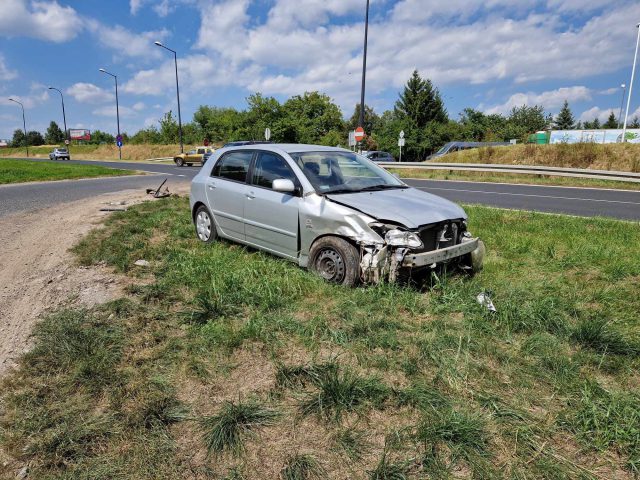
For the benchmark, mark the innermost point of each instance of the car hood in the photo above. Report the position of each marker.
(410, 207)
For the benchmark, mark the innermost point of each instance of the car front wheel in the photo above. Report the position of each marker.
(335, 260)
(205, 227)
(179, 161)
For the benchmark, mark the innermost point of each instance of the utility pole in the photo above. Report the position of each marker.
(175, 60)
(64, 119)
(364, 67)
(115, 77)
(24, 125)
(633, 72)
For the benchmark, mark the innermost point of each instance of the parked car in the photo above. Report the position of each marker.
(244, 142)
(380, 157)
(192, 156)
(330, 210)
(59, 154)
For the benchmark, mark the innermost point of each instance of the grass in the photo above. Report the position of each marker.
(621, 157)
(491, 177)
(18, 171)
(183, 377)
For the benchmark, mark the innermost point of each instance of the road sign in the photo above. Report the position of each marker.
(267, 134)
(352, 139)
(206, 142)
(66, 142)
(119, 143)
(401, 142)
(401, 133)
(119, 138)
(359, 134)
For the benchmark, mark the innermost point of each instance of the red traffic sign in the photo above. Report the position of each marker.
(359, 134)
(66, 142)
(206, 142)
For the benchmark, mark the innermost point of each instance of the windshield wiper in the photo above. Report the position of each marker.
(373, 188)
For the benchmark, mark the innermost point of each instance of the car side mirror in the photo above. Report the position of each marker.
(283, 185)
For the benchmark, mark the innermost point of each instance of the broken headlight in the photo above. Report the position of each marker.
(400, 238)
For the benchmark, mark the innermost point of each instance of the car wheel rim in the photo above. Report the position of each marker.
(203, 226)
(330, 265)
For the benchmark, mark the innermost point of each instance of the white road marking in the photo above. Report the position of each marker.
(528, 195)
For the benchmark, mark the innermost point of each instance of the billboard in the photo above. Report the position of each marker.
(593, 136)
(79, 134)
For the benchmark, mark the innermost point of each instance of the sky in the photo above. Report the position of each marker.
(490, 55)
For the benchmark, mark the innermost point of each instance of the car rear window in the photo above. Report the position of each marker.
(233, 166)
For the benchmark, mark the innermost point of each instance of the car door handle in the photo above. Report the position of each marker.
(212, 186)
(251, 195)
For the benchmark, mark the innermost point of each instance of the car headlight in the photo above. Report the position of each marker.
(400, 238)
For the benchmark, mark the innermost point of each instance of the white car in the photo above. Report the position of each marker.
(59, 154)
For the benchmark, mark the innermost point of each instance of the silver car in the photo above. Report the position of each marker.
(330, 210)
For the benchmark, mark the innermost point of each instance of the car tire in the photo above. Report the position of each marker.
(205, 225)
(335, 260)
(189, 164)
(179, 161)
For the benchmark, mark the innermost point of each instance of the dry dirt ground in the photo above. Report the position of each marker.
(38, 273)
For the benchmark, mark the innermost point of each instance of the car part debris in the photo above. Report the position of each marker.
(141, 263)
(110, 209)
(158, 193)
(484, 299)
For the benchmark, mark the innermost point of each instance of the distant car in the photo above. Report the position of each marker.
(192, 156)
(206, 157)
(59, 154)
(457, 146)
(241, 143)
(380, 157)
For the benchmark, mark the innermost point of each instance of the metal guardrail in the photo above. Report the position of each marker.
(523, 169)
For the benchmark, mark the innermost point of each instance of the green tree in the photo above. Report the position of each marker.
(35, 138)
(308, 118)
(54, 135)
(525, 120)
(420, 102)
(612, 121)
(18, 138)
(219, 124)
(565, 119)
(262, 112)
(98, 137)
(635, 123)
(169, 132)
(593, 125)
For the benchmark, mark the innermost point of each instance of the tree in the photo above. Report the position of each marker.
(308, 118)
(564, 120)
(421, 102)
(169, 131)
(635, 123)
(18, 138)
(612, 121)
(54, 135)
(35, 138)
(371, 119)
(525, 120)
(594, 125)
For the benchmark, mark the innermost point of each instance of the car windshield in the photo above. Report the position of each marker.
(62, 150)
(343, 172)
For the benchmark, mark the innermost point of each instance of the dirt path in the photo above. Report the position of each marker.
(37, 272)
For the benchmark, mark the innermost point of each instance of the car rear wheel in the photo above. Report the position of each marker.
(179, 161)
(335, 260)
(205, 227)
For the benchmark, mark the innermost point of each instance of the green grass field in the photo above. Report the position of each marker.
(223, 362)
(18, 171)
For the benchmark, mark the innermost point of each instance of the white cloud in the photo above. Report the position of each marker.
(134, 6)
(127, 43)
(6, 73)
(110, 111)
(161, 7)
(602, 114)
(89, 93)
(611, 91)
(47, 20)
(138, 106)
(550, 100)
(38, 94)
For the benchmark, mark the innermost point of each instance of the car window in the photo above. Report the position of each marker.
(191, 152)
(270, 167)
(233, 166)
(200, 151)
(338, 171)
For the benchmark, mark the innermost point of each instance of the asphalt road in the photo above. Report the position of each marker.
(620, 204)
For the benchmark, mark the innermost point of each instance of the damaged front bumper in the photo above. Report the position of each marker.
(387, 262)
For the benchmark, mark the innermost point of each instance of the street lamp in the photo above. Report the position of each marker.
(24, 125)
(175, 60)
(364, 67)
(624, 89)
(115, 77)
(64, 119)
(633, 71)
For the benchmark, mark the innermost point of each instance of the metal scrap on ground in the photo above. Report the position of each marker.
(158, 193)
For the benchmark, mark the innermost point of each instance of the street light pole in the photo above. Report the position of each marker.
(115, 77)
(624, 90)
(24, 125)
(633, 72)
(175, 60)
(64, 118)
(364, 67)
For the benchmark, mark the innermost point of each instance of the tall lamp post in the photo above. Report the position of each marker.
(364, 67)
(633, 72)
(624, 90)
(115, 77)
(24, 125)
(64, 119)
(175, 60)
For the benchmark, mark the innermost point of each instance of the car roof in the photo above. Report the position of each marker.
(290, 148)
